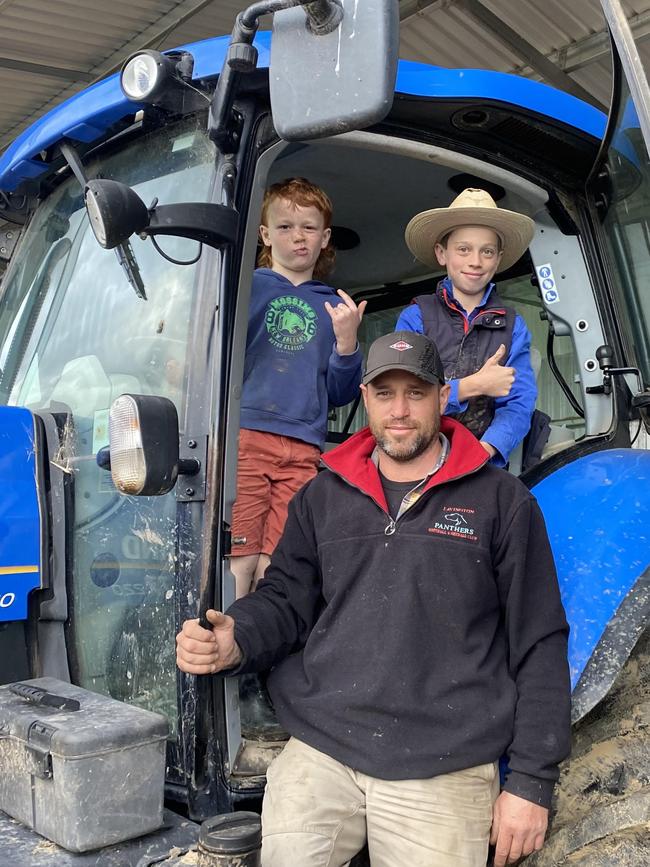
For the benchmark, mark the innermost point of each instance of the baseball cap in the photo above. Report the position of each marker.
(405, 350)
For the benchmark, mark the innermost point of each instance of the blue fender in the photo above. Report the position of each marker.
(597, 512)
(20, 513)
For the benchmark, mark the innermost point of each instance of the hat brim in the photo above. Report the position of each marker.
(428, 227)
(410, 368)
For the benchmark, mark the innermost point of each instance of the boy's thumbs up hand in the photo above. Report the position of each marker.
(493, 379)
(498, 355)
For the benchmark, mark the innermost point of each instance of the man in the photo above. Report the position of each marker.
(412, 618)
(484, 343)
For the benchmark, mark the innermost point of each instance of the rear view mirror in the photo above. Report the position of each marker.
(344, 80)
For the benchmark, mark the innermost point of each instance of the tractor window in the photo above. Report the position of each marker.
(75, 336)
(626, 228)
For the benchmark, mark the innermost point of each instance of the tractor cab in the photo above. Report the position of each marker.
(158, 310)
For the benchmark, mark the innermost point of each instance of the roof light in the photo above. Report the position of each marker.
(140, 76)
(153, 77)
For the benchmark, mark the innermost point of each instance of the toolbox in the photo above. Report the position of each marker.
(83, 770)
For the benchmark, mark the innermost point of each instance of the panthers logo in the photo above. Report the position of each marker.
(290, 322)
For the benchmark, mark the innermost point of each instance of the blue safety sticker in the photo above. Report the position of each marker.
(547, 284)
(20, 515)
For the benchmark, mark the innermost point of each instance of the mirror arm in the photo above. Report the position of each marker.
(73, 159)
(605, 357)
(189, 466)
(207, 222)
(249, 19)
(224, 124)
(323, 15)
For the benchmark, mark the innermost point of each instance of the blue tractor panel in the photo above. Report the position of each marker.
(20, 519)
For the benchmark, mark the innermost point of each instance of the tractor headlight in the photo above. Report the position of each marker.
(143, 433)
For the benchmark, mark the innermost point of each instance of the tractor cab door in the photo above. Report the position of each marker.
(618, 193)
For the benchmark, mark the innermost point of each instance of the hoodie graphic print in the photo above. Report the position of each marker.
(292, 371)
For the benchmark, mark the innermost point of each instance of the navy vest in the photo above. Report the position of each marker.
(463, 352)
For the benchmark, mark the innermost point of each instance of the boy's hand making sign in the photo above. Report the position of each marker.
(346, 319)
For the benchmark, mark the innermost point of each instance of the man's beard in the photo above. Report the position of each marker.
(403, 452)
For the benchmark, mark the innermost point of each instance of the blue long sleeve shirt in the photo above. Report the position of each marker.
(292, 371)
(512, 413)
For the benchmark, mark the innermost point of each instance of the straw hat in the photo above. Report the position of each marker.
(470, 208)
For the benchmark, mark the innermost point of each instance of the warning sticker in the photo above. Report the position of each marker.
(547, 284)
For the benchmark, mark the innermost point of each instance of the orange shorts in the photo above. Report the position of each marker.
(270, 469)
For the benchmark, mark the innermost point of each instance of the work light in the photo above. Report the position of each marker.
(143, 433)
(115, 211)
(158, 79)
(143, 75)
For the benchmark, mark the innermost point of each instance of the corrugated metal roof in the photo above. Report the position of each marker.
(50, 50)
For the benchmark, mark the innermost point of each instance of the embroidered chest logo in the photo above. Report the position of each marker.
(456, 521)
(290, 322)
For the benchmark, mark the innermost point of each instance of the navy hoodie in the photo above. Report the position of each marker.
(292, 371)
(422, 647)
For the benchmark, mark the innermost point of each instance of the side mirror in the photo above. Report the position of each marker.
(143, 434)
(116, 212)
(328, 83)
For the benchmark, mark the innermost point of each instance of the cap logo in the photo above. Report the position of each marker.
(401, 345)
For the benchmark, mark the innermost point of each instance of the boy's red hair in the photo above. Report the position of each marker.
(300, 191)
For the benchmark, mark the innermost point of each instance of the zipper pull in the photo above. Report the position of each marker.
(390, 529)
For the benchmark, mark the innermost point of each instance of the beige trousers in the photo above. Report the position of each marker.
(319, 813)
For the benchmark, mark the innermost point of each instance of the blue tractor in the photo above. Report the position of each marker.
(107, 547)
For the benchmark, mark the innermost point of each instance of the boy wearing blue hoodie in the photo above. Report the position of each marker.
(301, 357)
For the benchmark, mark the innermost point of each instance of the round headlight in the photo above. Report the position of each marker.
(141, 76)
(115, 211)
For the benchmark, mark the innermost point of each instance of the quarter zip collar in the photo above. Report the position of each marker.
(445, 292)
(418, 489)
(353, 462)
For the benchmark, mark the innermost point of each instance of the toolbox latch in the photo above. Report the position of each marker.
(39, 739)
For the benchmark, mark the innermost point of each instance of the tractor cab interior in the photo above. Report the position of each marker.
(377, 183)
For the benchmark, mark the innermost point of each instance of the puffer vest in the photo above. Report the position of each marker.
(464, 347)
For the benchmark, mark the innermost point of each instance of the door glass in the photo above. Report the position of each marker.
(74, 336)
(625, 214)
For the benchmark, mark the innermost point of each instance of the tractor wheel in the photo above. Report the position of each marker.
(601, 812)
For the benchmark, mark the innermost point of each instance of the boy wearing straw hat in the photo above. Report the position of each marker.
(484, 344)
